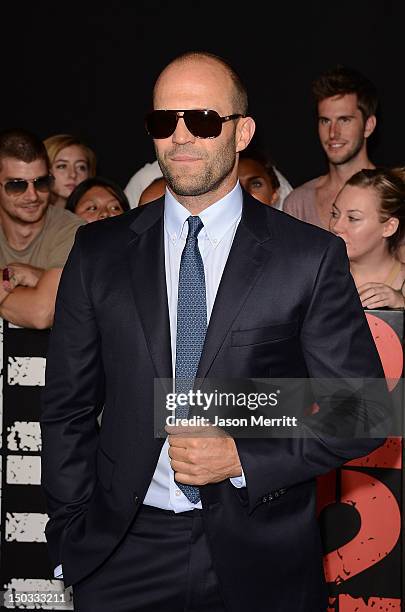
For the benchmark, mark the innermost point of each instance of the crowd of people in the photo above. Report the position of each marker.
(49, 189)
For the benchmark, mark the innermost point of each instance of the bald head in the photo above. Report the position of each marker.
(201, 169)
(218, 69)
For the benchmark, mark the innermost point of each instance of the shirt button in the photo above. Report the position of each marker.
(178, 493)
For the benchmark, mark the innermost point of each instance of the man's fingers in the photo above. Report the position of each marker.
(177, 453)
(185, 468)
(188, 442)
(185, 478)
(177, 441)
(178, 430)
(188, 429)
(196, 431)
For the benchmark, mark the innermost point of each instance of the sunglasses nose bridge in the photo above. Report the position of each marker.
(31, 192)
(182, 132)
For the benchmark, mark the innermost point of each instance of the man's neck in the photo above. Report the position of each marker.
(19, 235)
(196, 204)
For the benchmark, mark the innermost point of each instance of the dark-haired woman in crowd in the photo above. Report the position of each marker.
(369, 214)
(257, 175)
(97, 198)
(71, 162)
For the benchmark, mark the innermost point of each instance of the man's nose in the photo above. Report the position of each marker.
(334, 130)
(103, 214)
(182, 134)
(31, 194)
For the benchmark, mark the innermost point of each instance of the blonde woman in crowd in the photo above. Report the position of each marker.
(71, 162)
(369, 214)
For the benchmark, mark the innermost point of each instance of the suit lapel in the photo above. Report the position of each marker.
(146, 259)
(248, 254)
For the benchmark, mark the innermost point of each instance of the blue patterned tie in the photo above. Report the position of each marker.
(191, 324)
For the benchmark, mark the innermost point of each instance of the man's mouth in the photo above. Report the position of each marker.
(30, 206)
(184, 158)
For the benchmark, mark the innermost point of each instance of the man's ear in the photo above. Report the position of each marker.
(370, 126)
(244, 133)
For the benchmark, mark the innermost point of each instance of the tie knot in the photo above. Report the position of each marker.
(195, 225)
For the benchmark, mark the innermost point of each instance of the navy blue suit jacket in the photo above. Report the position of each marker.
(286, 307)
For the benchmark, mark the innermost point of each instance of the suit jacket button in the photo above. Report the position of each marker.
(136, 500)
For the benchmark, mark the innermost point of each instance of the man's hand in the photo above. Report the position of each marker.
(22, 274)
(202, 455)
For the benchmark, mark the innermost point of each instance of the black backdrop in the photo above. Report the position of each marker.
(88, 68)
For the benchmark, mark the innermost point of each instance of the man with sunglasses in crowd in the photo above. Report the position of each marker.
(35, 238)
(204, 282)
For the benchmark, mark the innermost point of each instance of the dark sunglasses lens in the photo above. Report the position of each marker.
(43, 184)
(15, 187)
(203, 123)
(161, 123)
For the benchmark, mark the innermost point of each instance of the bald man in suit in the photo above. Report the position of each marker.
(194, 523)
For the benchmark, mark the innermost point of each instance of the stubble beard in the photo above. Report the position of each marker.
(350, 155)
(214, 174)
(20, 219)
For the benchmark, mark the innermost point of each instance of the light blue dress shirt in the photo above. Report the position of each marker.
(214, 241)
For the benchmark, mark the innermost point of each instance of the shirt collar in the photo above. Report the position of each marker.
(217, 218)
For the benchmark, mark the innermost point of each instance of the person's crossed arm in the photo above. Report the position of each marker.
(27, 295)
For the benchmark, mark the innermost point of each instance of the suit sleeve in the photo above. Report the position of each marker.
(337, 344)
(72, 399)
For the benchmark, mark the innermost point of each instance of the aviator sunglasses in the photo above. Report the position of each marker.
(16, 187)
(201, 123)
